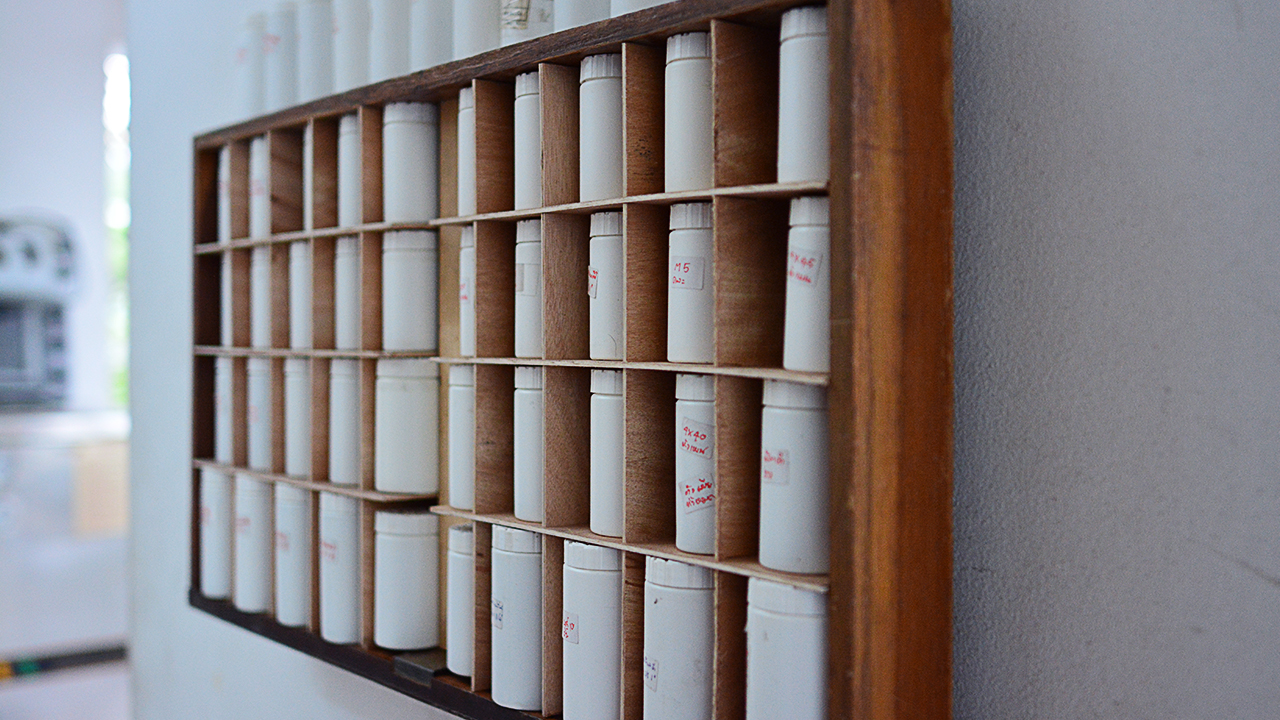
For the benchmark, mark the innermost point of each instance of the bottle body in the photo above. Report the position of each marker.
(695, 435)
(260, 411)
(786, 652)
(466, 151)
(528, 142)
(410, 158)
(350, 44)
(690, 298)
(600, 128)
(346, 293)
(460, 603)
(293, 555)
(467, 293)
(300, 295)
(591, 632)
(430, 34)
(528, 448)
(215, 534)
(339, 569)
(689, 133)
(679, 645)
(344, 422)
(608, 465)
(406, 586)
(516, 619)
(794, 495)
(462, 437)
(476, 26)
(410, 294)
(605, 282)
(406, 426)
(297, 417)
(252, 545)
(803, 97)
(528, 303)
(526, 19)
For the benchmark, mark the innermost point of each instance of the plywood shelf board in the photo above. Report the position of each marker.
(316, 485)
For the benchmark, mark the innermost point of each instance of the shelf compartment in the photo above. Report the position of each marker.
(750, 260)
(645, 251)
(744, 67)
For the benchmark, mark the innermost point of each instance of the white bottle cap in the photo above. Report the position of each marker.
(606, 382)
(528, 378)
(776, 597)
(516, 541)
(348, 125)
(688, 45)
(343, 366)
(595, 67)
(296, 366)
(462, 539)
(333, 504)
(527, 83)
(591, 557)
(529, 231)
(462, 375)
(675, 574)
(468, 236)
(804, 21)
(690, 216)
(347, 245)
(246, 485)
(399, 522)
(780, 393)
(466, 98)
(695, 387)
(419, 113)
(259, 366)
(606, 223)
(409, 241)
(290, 494)
(810, 211)
(408, 368)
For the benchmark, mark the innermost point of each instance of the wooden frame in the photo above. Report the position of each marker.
(890, 381)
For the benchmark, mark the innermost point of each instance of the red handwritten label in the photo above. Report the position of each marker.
(495, 613)
(464, 290)
(803, 266)
(593, 280)
(696, 438)
(775, 466)
(206, 515)
(243, 523)
(697, 494)
(328, 551)
(270, 43)
(687, 272)
(570, 629)
(651, 673)
(282, 541)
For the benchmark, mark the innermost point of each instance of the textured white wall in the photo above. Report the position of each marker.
(1117, 500)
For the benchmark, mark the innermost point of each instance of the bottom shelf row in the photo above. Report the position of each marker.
(539, 623)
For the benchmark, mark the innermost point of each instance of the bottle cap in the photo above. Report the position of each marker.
(247, 485)
(419, 113)
(695, 387)
(527, 83)
(343, 366)
(464, 375)
(688, 45)
(347, 245)
(409, 241)
(810, 211)
(331, 504)
(528, 378)
(675, 574)
(606, 223)
(516, 541)
(417, 368)
(780, 393)
(601, 66)
(529, 231)
(462, 539)
(804, 21)
(690, 216)
(296, 366)
(398, 522)
(348, 125)
(291, 494)
(468, 236)
(259, 366)
(780, 598)
(606, 382)
(466, 99)
(591, 557)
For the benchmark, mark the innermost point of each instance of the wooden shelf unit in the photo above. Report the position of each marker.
(889, 389)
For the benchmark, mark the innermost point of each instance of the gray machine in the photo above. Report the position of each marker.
(36, 284)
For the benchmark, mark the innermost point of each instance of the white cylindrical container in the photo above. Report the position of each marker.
(794, 502)
(526, 19)
(280, 46)
(293, 555)
(260, 297)
(430, 33)
(806, 342)
(467, 293)
(349, 173)
(476, 26)
(460, 617)
(339, 569)
(591, 632)
(260, 413)
(607, 460)
(695, 464)
(215, 534)
(350, 44)
(528, 142)
(529, 341)
(253, 545)
(690, 300)
(462, 436)
(572, 13)
(527, 453)
(224, 195)
(388, 39)
(406, 427)
(223, 418)
(786, 652)
(410, 162)
(297, 417)
(248, 65)
(410, 290)
(600, 128)
(466, 152)
(308, 177)
(225, 315)
(605, 282)
(622, 7)
(315, 49)
(679, 644)
(688, 137)
(516, 619)
(346, 293)
(300, 294)
(344, 422)
(803, 90)
(259, 187)
(406, 587)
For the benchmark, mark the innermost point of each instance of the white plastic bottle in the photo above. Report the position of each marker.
(608, 466)
(253, 545)
(309, 177)
(476, 26)
(806, 343)
(249, 68)
(803, 97)
(679, 641)
(605, 281)
(689, 136)
(460, 618)
(467, 292)
(572, 13)
(223, 417)
(280, 48)
(260, 297)
(350, 44)
(695, 464)
(344, 422)
(529, 341)
(466, 152)
(297, 417)
(300, 294)
(259, 188)
(388, 39)
(339, 569)
(260, 414)
(690, 299)
(600, 128)
(350, 176)
(406, 426)
(406, 600)
(794, 502)
(462, 436)
(224, 196)
(527, 452)
(410, 162)
(622, 7)
(430, 33)
(786, 652)
(215, 534)
(410, 290)
(591, 632)
(293, 555)
(526, 19)
(225, 311)
(315, 49)
(516, 619)
(528, 142)
(346, 293)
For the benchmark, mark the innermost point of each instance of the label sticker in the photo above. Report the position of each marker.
(775, 466)
(696, 438)
(515, 15)
(282, 541)
(593, 279)
(328, 551)
(243, 523)
(651, 673)
(571, 628)
(528, 278)
(697, 494)
(687, 271)
(496, 614)
(803, 266)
